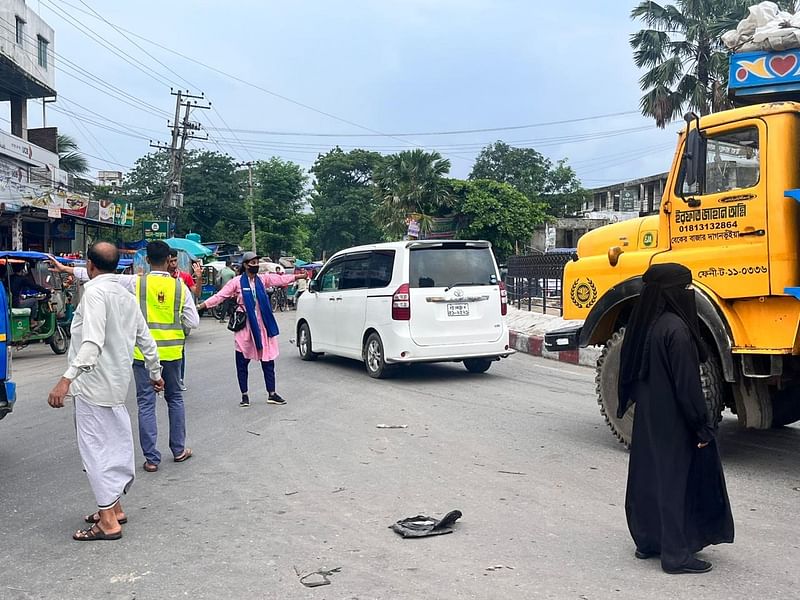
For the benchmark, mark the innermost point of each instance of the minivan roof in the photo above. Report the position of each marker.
(413, 244)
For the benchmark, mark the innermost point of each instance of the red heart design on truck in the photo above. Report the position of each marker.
(783, 65)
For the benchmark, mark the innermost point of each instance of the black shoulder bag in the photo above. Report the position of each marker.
(237, 320)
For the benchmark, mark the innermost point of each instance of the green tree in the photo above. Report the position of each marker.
(214, 203)
(495, 211)
(145, 184)
(686, 62)
(532, 174)
(69, 157)
(343, 200)
(412, 182)
(279, 198)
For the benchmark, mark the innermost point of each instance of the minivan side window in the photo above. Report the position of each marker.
(355, 272)
(329, 278)
(381, 266)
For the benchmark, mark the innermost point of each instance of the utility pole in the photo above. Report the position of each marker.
(251, 204)
(181, 132)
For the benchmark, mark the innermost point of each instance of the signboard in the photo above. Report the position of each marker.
(628, 199)
(63, 230)
(413, 229)
(155, 230)
(754, 73)
(26, 152)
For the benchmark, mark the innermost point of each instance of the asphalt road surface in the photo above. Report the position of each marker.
(276, 492)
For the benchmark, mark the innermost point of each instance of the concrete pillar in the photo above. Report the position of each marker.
(19, 116)
(16, 233)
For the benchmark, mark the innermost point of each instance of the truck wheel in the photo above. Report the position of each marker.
(607, 381)
(59, 342)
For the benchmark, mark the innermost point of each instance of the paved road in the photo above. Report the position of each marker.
(273, 491)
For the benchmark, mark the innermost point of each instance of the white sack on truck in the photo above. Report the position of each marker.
(765, 28)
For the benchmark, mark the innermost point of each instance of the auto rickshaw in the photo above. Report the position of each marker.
(36, 300)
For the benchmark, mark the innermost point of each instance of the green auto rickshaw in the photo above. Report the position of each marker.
(38, 306)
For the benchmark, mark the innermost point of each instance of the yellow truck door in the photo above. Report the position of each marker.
(718, 228)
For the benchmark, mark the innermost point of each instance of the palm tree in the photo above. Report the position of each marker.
(411, 183)
(682, 50)
(69, 158)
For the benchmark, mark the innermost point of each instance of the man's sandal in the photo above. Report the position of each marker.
(95, 518)
(185, 455)
(94, 533)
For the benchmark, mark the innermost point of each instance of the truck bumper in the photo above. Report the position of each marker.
(563, 339)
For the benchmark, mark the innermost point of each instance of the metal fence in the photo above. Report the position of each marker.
(534, 281)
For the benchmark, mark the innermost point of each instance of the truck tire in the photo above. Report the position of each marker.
(607, 377)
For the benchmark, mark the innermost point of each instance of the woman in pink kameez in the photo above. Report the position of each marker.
(246, 340)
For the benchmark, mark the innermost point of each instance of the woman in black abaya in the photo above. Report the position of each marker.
(676, 501)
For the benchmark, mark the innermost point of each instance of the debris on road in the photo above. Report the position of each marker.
(499, 568)
(317, 578)
(384, 426)
(337, 490)
(512, 472)
(252, 432)
(422, 526)
(290, 493)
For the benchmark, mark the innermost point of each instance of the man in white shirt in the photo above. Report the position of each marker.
(105, 328)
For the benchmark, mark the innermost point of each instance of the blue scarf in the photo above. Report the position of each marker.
(264, 306)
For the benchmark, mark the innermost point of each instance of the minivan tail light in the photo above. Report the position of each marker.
(503, 299)
(401, 304)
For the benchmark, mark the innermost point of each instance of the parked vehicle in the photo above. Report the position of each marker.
(46, 317)
(407, 302)
(730, 214)
(8, 395)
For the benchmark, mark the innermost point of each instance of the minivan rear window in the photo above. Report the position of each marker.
(443, 266)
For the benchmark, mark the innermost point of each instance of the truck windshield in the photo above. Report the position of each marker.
(448, 266)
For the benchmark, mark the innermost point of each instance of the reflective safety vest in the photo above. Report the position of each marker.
(161, 299)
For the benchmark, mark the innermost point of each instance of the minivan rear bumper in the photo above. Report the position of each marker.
(402, 349)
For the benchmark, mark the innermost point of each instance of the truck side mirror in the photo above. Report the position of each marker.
(694, 154)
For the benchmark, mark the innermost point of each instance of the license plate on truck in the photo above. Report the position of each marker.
(458, 310)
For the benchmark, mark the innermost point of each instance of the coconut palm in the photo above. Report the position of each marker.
(69, 158)
(686, 62)
(411, 184)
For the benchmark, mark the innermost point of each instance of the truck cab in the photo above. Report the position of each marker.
(731, 213)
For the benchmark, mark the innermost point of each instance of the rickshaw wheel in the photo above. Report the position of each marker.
(59, 342)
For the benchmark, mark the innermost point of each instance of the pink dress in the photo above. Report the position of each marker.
(243, 339)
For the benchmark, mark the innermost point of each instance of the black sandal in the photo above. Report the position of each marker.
(94, 533)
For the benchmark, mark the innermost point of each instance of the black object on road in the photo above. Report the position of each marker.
(422, 526)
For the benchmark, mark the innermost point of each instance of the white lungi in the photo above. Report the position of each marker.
(105, 441)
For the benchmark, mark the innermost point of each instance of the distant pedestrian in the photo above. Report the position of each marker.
(105, 328)
(258, 339)
(676, 502)
(225, 275)
(195, 284)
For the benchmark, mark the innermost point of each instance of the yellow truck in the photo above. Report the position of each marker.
(731, 213)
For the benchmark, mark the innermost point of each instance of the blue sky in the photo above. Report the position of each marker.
(389, 66)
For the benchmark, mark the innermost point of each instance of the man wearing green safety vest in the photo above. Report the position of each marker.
(167, 306)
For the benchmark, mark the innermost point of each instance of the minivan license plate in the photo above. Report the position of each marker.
(458, 310)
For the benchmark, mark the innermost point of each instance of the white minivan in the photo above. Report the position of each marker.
(407, 302)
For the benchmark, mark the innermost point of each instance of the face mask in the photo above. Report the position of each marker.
(252, 269)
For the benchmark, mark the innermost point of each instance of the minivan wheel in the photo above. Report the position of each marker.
(477, 365)
(304, 343)
(374, 358)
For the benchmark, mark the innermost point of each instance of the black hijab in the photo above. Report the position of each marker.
(665, 289)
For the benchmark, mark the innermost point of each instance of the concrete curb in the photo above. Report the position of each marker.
(534, 345)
